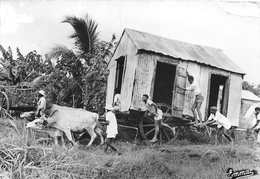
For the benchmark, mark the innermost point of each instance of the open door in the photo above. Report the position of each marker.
(179, 92)
(120, 72)
(128, 83)
(163, 83)
(219, 93)
(225, 95)
(111, 84)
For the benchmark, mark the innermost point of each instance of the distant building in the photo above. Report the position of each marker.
(248, 103)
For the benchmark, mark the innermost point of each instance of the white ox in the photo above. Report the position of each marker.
(67, 120)
(29, 116)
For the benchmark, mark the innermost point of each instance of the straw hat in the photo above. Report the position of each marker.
(42, 92)
(109, 107)
(213, 108)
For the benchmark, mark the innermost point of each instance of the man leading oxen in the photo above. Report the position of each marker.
(67, 120)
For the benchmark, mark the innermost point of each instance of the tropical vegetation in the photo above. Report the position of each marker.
(71, 77)
(251, 87)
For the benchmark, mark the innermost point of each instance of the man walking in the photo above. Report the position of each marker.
(111, 128)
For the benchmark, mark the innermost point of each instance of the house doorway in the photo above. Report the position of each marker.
(218, 96)
(119, 73)
(164, 82)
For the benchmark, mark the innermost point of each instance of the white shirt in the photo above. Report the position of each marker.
(255, 119)
(194, 86)
(221, 120)
(151, 109)
(149, 106)
(42, 104)
(117, 99)
(112, 126)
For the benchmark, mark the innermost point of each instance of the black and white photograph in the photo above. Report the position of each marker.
(129, 89)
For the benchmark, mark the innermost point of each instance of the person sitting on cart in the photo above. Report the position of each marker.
(111, 131)
(194, 86)
(216, 119)
(256, 122)
(41, 105)
(157, 113)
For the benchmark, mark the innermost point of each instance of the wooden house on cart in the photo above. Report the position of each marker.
(149, 64)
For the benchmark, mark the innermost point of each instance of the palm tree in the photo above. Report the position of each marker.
(85, 36)
(87, 64)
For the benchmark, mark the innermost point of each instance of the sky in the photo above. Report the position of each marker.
(233, 26)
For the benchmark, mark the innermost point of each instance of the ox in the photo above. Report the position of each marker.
(29, 116)
(67, 120)
(38, 125)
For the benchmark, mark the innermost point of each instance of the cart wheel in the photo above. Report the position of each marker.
(147, 128)
(4, 104)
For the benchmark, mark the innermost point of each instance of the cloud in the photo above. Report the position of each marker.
(9, 19)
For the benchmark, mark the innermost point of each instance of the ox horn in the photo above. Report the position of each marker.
(53, 112)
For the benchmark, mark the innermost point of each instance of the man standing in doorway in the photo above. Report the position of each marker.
(157, 114)
(194, 86)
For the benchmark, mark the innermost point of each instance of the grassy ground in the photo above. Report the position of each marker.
(22, 157)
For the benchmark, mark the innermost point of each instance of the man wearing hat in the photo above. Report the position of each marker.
(220, 121)
(111, 128)
(41, 105)
(256, 122)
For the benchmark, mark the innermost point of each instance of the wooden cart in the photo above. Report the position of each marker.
(17, 98)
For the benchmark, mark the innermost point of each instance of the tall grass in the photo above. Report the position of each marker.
(24, 156)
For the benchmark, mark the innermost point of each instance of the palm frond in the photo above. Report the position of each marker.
(4, 53)
(10, 53)
(81, 35)
(58, 51)
(85, 32)
(92, 25)
(20, 55)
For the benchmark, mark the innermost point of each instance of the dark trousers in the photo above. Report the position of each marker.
(108, 142)
(222, 131)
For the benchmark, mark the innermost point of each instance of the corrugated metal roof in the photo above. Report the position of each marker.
(249, 96)
(185, 51)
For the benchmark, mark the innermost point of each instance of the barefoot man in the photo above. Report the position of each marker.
(157, 114)
(221, 122)
(194, 86)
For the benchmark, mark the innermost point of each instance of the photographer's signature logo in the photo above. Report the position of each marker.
(231, 174)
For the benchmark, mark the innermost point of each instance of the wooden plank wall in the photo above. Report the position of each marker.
(202, 74)
(127, 49)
